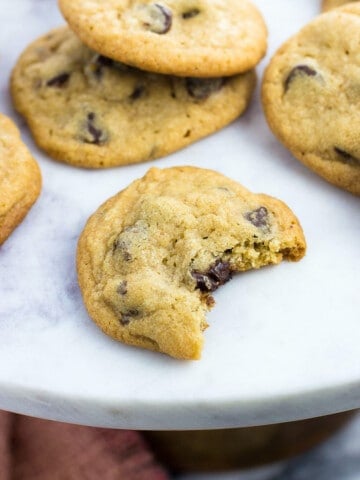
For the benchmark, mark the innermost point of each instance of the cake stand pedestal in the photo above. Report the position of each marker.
(230, 449)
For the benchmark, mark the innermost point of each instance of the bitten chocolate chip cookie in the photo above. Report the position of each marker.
(330, 4)
(88, 110)
(199, 38)
(20, 179)
(311, 96)
(150, 257)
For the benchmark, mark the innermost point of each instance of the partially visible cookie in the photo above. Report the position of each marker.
(199, 38)
(150, 257)
(90, 111)
(20, 178)
(311, 96)
(330, 4)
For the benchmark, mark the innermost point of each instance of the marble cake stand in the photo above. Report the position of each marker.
(283, 344)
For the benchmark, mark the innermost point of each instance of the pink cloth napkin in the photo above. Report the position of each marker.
(33, 449)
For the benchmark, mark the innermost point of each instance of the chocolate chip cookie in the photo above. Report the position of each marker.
(330, 4)
(198, 38)
(88, 110)
(20, 178)
(150, 257)
(311, 96)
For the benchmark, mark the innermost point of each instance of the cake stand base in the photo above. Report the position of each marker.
(219, 450)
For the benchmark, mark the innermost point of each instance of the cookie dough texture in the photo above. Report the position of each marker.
(149, 258)
(330, 4)
(20, 178)
(311, 96)
(87, 110)
(200, 38)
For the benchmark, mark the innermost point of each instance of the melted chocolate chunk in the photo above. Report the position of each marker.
(160, 19)
(122, 247)
(202, 88)
(58, 81)
(190, 13)
(299, 70)
(129, 315)
(217, 275)
(347, 157)
(95, 135)
(138, 92)
(122, 288)
(258, 217)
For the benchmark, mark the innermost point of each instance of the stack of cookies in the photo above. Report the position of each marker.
(128, 82)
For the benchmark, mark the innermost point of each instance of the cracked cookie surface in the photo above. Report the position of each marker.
(199, 38)
(150, 257)
(311, 96)
(330, 4)
(20, 178)
(90, 111)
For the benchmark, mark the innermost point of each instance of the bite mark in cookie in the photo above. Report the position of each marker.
(148, 266)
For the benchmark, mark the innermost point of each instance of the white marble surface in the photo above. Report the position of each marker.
(283, 342)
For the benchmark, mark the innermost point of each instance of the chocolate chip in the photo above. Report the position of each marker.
(159, 19)
(202, 88)
(122, 288)
(94, 135)
(127, 316)
(217, 275)
(126, 243)
(119, 66)
(258, 217)
(210, 302)
(58, 81)
(347, 157)
(122, 247)
(299, 70)
(172, 86)
(190, 13)
(99, 62)
(103, 61)
(138, 92)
